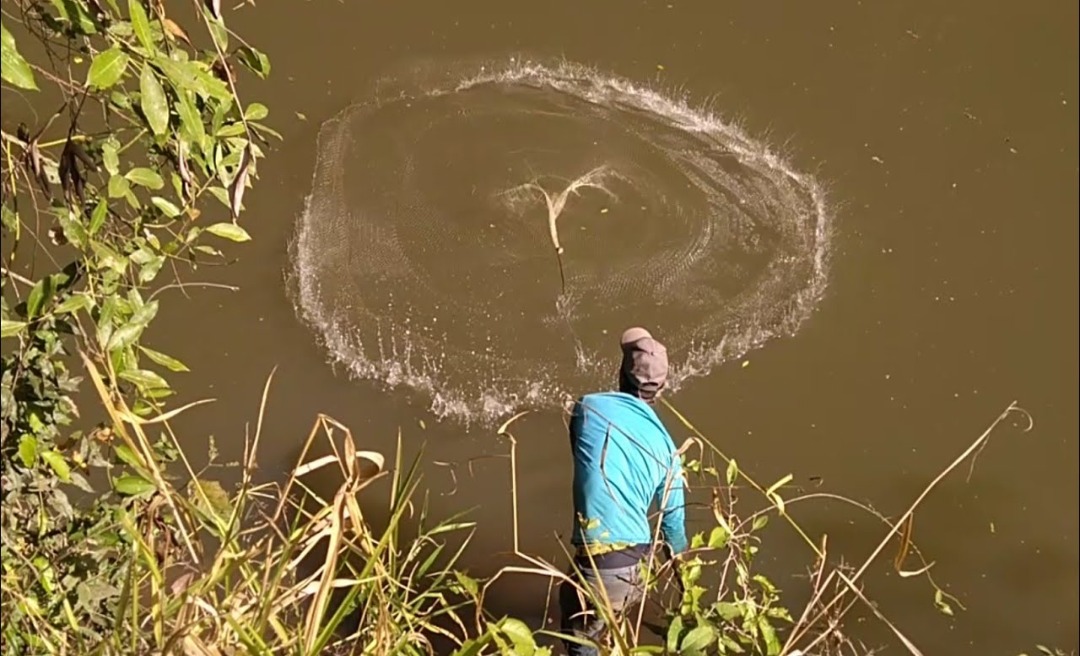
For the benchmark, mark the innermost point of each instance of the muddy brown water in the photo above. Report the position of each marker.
(947, 136)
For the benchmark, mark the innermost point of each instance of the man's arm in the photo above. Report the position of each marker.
(671, 496)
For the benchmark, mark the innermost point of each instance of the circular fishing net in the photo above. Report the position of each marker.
(485, 240)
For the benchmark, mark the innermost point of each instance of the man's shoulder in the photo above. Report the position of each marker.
(619, 406)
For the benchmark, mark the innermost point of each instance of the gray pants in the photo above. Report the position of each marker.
(623, 589)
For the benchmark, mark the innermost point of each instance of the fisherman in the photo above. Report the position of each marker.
(624, 461)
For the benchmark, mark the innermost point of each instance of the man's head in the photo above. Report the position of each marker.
(644, 367)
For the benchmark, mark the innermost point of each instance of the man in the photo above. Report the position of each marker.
(624, 461)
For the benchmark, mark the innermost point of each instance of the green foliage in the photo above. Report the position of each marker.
(150, 136)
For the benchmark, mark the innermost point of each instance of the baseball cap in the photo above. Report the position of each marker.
(644, 362)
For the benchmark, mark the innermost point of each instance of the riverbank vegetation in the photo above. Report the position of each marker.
(128, 149)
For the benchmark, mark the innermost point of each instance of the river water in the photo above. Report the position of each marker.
(944, 136)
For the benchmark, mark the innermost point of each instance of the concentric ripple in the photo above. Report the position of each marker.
(426, 258)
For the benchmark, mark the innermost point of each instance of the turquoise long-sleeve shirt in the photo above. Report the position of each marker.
(624, 461)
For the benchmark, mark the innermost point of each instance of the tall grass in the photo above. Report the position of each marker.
(279, 568)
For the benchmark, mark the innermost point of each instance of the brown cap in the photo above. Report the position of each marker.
(644, 366)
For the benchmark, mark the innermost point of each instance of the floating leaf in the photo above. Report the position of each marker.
(13, 68)
(760, 521)
(152, 100)
(141, 24)
(107, 68)
(118, 187)
(145, 177)
(229, 231)
(132, 485)
(56, 462)
(170, 363)
(942, 605)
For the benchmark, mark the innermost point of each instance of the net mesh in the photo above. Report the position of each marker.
(426, 257)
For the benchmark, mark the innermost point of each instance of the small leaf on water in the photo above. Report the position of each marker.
(28, 450)
(141, 24)
(144, 379)
(942, 605)
(778, 484)
(760, 521)
(119, 186)
(229, 231)
(107, 68)
(301, 116)
(145, 177)
(11, 328)
(13, 68)
(110, 155)
(745, 364)
(56, 462)
(728, 611)
(132, 485)
(97, 218)
(152, 99)
(732, 472)
(170, 363)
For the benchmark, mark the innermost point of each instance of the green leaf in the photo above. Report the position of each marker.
(188, 75)
(97, 217)
(942, 605)
(28, 450)
(768, 634)
(256, 112)
(128, 456)
(760, 521)
(216, 498)
(732, 472)
(56, 461)
(144, 379)
(74, 303)
(124, 336)
(145, 177)
(118, 187)
(467, 582)
(13, 68)
(519, 634)
(107, 68)
(132, 485)
(155, 105)
(229, 231)
(718, 537)
(698, 640)
(150, 270)
(40, 295)
(110, 155)
(728, 611)
(257, 62)
(11, 328)
(167, 207)
(191, 123)
(141, 24)
(170, 363)
(674, 632)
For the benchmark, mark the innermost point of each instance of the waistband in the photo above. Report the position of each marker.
(612, 558)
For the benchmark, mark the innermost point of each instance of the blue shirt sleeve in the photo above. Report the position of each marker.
(673, 512)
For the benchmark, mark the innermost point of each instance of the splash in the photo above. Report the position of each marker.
(423, 258)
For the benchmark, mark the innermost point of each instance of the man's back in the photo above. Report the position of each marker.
(624, 460)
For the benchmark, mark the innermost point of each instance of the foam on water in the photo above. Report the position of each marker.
(414, 270)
